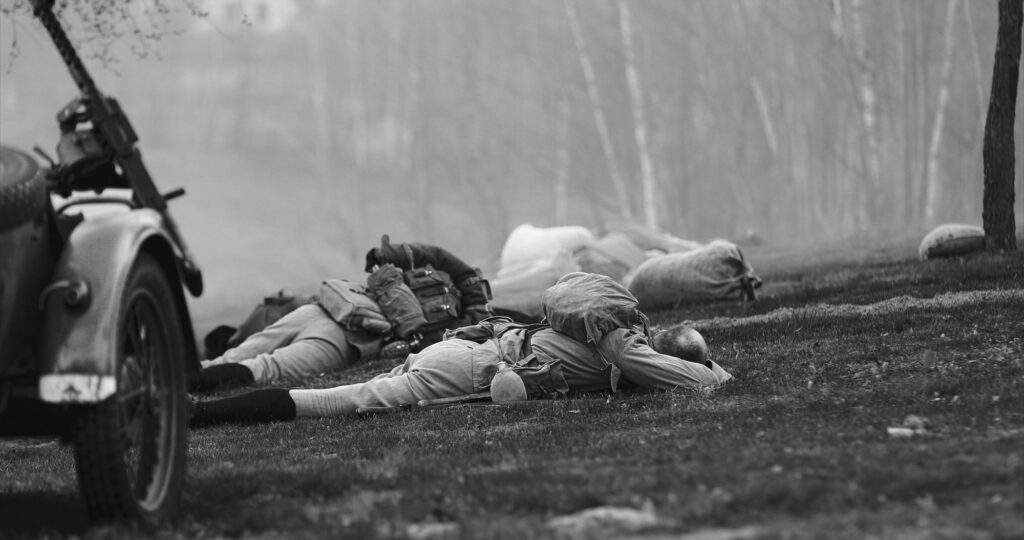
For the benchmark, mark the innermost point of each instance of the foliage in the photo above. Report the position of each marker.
(101, 28)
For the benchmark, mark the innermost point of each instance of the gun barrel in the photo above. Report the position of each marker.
(43, 10)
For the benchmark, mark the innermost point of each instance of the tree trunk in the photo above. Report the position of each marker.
(868, 101)
(978, 131)
(562, 164)
(903, 51)
(595, 104)
(648, 183)
(979, 79)
(933, 186)
(765, 115)
(998, 154)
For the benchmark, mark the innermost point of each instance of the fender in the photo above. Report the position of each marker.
(78, 352)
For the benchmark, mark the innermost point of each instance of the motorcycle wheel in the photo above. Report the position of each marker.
(130, 450)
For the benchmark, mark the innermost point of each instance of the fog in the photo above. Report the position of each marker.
(304, 130)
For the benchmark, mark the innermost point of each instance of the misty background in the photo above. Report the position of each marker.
(303, 130)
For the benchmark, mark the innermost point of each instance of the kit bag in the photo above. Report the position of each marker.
(396, 300)
(439, 299)
(587, 307)
(396, 282)
(350, 305)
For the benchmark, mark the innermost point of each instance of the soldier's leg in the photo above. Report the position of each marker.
(278, 334)
(304, 343)
(266, 405)
(322, 350)
(446, 369)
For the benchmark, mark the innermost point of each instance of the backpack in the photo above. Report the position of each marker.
(586, 307)
(396, 300)
(350, 305)
(439, 300)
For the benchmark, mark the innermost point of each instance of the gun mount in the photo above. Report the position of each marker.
(97, 147)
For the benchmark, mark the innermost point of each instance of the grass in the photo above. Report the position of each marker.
(797, 446)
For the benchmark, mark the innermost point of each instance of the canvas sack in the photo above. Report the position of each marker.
(350, 305)
(439, 299)
(714, 271)
(396, 300)
(952, 240)
(586, 307)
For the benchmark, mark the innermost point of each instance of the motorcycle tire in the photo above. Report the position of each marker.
(26, 258)
(22, 190)
(130, 450)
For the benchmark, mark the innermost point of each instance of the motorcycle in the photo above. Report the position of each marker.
(96, 340)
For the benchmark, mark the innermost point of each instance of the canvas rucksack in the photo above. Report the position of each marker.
(419, 300)
(587, 307)
(399, 304)
(438, 297)
(350, 305)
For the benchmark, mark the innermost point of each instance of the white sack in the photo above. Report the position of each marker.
(952, 240)
(649, 239)
(526, 244)
(612, 255)
(522, 290)
(714, 271)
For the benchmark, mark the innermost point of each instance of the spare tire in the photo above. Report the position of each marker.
(26, 260)
(22, 189)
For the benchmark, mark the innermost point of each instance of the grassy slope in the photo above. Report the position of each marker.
(796, 447)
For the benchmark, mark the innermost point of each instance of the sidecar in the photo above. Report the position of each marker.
(96, 342)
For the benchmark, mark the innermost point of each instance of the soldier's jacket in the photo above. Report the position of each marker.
(552, 363)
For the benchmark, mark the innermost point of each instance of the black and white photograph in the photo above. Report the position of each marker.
(511, 269)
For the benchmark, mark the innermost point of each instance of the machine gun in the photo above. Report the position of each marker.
(103, 154)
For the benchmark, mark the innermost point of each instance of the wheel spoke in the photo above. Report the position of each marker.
(141, 415)
(142, 419)
(131, 395)
(150, 414)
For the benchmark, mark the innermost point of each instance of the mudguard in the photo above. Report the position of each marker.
(78, 353)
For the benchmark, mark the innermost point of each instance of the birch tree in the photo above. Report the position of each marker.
(561, 188)
(868, 101)
(933, 185)
(590, 79)
(648, 183)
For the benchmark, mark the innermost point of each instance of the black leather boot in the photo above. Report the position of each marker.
(267, 405)
(222, 375)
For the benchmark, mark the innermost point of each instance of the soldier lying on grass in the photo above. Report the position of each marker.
(307, 341)
(602, 344)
